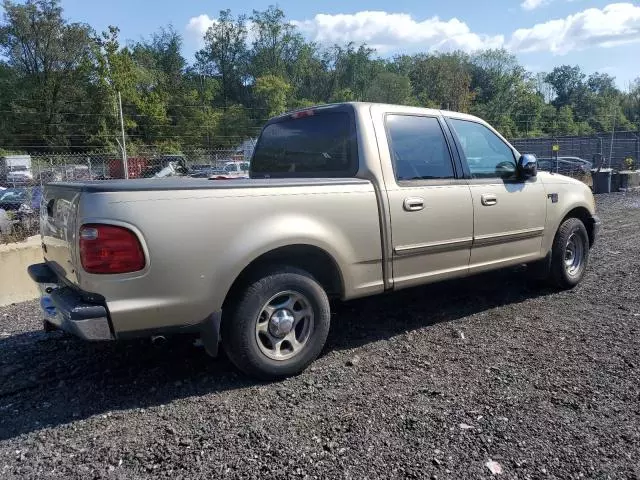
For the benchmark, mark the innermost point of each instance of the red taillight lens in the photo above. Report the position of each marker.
(109, 249)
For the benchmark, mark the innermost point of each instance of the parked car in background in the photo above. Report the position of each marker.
(344, 201)
(204, 172)
(19, 176)
(164, 165)
(76, 172)
(236, 169)
(22, 206)
(15, 170)
(565, 165)
(229, 170)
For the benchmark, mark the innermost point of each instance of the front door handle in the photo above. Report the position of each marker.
(488, 199)
(413, 204)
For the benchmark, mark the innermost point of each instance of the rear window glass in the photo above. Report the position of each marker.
(320, 145)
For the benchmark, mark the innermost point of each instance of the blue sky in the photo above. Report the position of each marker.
(597, 35)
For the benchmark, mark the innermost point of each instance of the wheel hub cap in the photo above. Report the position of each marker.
(281, 323)
(574, 254)
(284, 325)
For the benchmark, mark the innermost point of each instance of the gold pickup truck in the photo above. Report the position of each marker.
(343, 201)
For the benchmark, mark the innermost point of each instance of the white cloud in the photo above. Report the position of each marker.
(198, 26)
(533, 4)
(615, 24)
(395, 31)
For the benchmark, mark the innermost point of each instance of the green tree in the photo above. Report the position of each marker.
(567, 82)
(565, 124)
(225, 54)
(602, 84)
(631, 103)
(49, 58)
(276, 45)
(352, 69)
(389, 87)
(309, 75)
(272, 93)
(117, 73)
(344, 95)
(234, 126)
(441, 81)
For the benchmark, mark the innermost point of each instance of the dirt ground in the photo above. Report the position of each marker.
(429, 383)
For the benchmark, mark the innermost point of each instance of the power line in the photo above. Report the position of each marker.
(131, 136)
(146, 125)
(133, 105)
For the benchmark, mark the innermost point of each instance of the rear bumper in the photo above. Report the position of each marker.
(65, 308)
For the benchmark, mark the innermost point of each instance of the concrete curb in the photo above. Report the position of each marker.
(15, 284)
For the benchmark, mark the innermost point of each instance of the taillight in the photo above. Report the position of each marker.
(108, 249)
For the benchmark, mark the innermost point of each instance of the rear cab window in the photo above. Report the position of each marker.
(319, 143)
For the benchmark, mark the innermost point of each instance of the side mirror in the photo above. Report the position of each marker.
(528, 166)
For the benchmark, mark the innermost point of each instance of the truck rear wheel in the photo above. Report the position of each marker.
(570, 254)
(278, 325)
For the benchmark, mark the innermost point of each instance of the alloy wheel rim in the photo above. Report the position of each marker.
(284, 325)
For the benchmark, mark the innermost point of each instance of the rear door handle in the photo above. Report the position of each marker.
(488, 199)
(413, 204)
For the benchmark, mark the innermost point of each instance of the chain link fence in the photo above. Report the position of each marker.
(620, 153)
(52, 167)
(23, 176)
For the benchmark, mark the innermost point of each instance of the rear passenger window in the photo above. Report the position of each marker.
(418, 148)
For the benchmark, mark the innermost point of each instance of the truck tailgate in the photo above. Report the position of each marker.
(58, 227)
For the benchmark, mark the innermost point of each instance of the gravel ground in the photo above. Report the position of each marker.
(428, 383)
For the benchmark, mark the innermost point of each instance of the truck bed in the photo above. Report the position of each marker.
(198, 235)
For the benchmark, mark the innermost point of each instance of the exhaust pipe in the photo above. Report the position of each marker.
(158, 340)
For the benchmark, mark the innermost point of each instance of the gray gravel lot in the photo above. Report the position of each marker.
(428, 383)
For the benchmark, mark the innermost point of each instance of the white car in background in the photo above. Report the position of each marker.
(235, 169)
(20, 176)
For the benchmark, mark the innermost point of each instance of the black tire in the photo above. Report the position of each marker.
(240, 339)
(562, 275)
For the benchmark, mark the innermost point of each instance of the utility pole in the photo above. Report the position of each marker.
(613, 130)
(125, 163)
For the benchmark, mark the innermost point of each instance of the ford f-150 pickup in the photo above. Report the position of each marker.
(343, 201)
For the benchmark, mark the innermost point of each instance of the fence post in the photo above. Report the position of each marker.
(125, 165)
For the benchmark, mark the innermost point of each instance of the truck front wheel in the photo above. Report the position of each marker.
(570, 254)
(278, 325)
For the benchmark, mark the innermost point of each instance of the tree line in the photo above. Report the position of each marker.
(61, 84)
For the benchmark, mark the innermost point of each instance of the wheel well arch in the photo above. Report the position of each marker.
(314, 260)
(584, 215)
